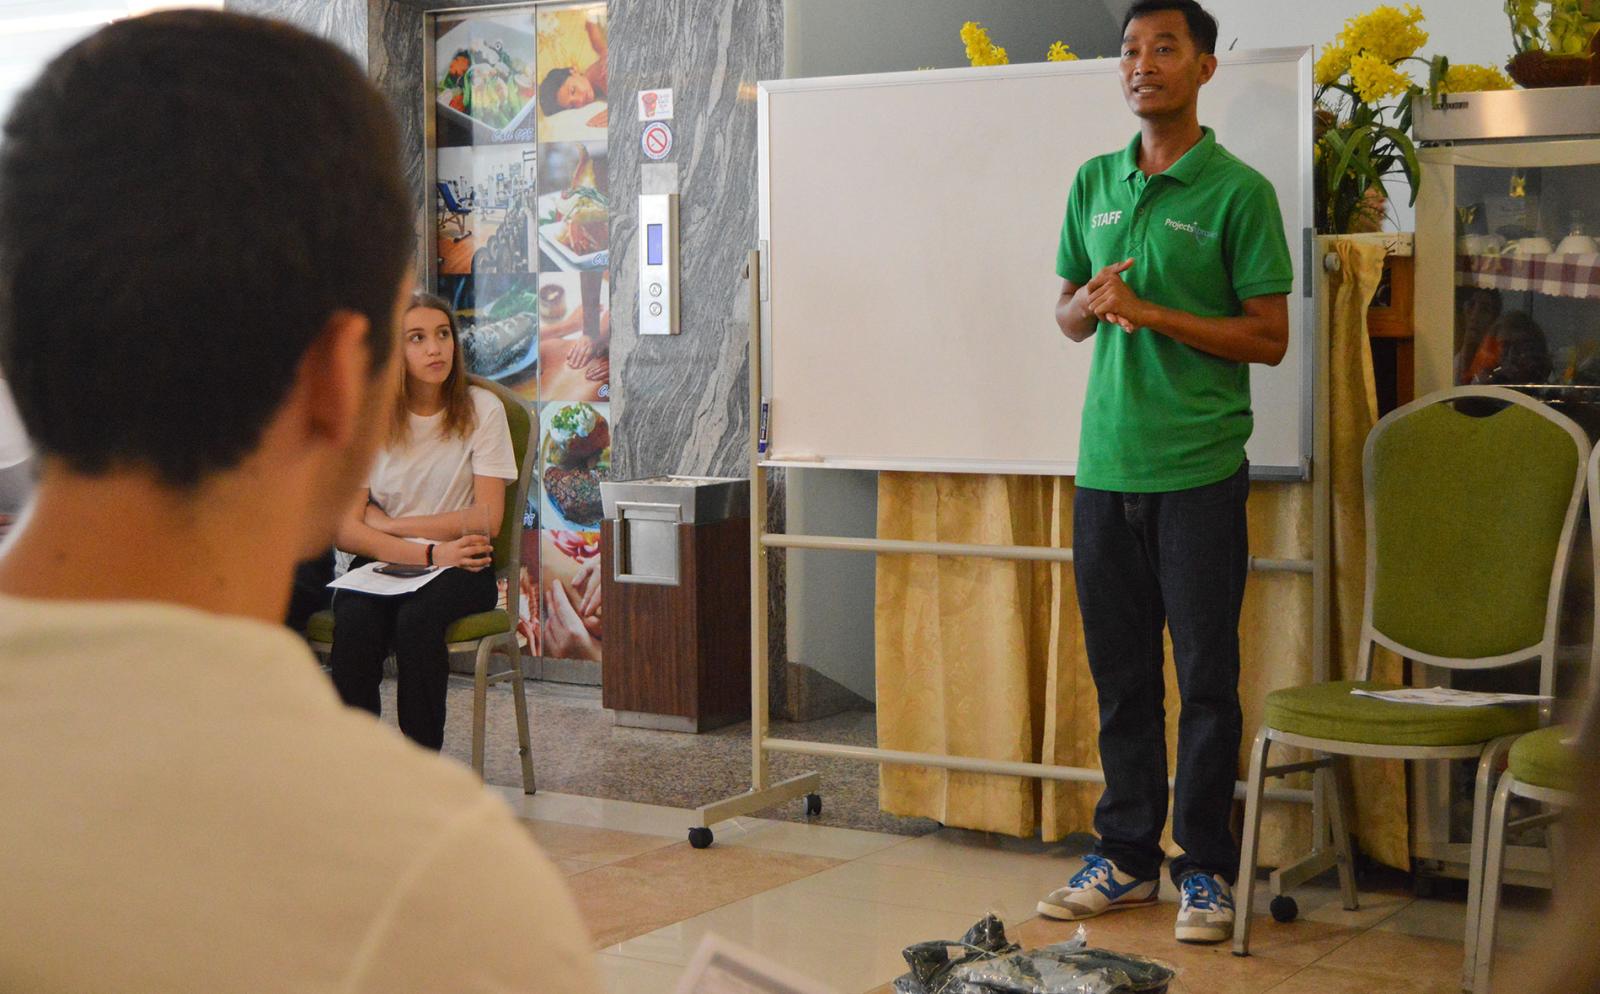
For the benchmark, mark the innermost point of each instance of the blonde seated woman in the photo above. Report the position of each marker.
(435, 494)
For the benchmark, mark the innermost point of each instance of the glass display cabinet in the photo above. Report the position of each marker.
(1508, 293)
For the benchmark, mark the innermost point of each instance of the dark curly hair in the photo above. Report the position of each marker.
(171, 247)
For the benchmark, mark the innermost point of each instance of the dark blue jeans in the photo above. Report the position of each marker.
(1144, 562)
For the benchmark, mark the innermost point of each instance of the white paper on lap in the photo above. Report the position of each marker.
(368, 580)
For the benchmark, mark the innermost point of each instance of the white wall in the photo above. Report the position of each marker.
(1465, 30)
(829, 595)
(32, 32)
(1473, 31)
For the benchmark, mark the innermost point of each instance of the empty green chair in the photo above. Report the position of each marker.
(1472, 495)
(488, 633)
(1542, 766)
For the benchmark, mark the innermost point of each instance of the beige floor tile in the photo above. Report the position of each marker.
(628, 898)
(976, 854)
(1320, 979)
(1400, 957)
(573, 867)
(845, 944)
(621, 975)
(1326, 906)
(592, 845)
(884, 883)
(807, 840)
(1513, 969)
(598, 812)
(1523, 917)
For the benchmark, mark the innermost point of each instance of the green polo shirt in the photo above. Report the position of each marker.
(1205, 235)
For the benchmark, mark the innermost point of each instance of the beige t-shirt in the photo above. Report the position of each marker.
(188, 807)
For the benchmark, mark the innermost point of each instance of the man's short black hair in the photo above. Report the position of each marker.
(550, 91)
(1202, 26)
(186, 199)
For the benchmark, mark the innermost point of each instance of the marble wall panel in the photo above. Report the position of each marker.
(340, 21)
(681, 401)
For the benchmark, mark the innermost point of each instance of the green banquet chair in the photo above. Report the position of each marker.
(1543, 767)
(487, 634)
(1472, 498)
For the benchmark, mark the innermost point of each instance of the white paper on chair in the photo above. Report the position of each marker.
(723, 967)
(1447, 697)
(368, 580)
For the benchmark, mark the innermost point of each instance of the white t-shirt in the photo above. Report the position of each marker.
(432, 473)
(203, 815)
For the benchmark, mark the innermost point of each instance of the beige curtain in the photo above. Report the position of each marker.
(978, 657)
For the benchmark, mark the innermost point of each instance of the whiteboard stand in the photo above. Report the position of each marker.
(764, 794)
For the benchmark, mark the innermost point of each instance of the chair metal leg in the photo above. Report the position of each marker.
(1488, 908)
(480, 701)
(1339, 795)
(519, 695)
(1245, 891)
(1556, 845)
(1483, 793)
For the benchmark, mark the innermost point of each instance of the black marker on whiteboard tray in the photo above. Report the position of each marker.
(761, 433)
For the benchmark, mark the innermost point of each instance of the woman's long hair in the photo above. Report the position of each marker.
(459, 416)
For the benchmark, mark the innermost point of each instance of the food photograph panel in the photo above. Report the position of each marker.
(574, 212)
(484, 86)
(573, 97)
(500, 335)
(574, 456)
(531, 604)
(570, 598)
(575, 336)
(483, 199)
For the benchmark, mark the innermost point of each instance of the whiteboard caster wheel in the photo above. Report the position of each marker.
(700, 838)
(813, 805)
(1284, 908)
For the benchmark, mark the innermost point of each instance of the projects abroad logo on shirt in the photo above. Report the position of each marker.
(1201, 236)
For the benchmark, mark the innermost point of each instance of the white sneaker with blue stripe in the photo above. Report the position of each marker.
(1205, 909)
(1097, 888)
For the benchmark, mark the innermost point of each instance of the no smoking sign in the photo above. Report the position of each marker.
(656, 140)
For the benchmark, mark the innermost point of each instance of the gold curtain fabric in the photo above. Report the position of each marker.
(984, 658)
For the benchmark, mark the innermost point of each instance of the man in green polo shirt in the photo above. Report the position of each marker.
(1174, 261)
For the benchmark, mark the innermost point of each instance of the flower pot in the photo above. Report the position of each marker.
(1536, 68)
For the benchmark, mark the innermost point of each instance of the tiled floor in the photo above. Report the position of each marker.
(839, 904)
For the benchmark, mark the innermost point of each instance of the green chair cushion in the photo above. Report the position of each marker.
(1540, 759)
(1330, 711)
(477, 626)
(468, 629)
(320, 627)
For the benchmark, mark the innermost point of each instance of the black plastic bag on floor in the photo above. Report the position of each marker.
(1000, 968)
(932, 961)
(1065, 968)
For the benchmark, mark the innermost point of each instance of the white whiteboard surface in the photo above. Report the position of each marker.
(909, 225)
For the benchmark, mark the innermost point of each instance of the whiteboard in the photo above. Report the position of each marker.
(909, 225)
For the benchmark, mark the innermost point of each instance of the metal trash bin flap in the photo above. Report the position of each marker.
(646, 546)
(703, 498)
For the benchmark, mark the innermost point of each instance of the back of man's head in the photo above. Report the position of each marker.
(186, 199)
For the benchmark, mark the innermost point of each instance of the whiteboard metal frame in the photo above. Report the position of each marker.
(763, 793)
(1303, 211)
